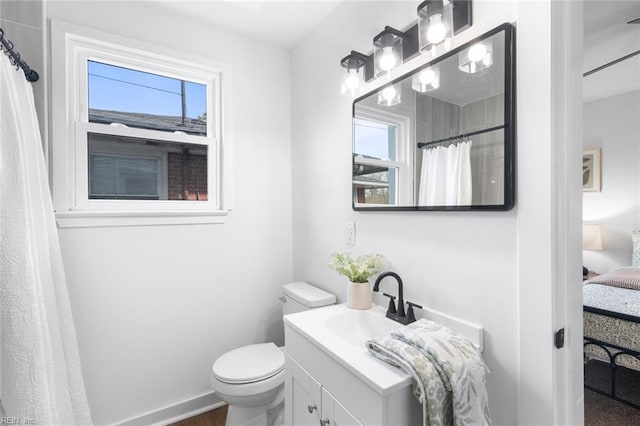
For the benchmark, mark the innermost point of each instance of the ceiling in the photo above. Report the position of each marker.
(607, 37)
(602, 15)
(282, 23)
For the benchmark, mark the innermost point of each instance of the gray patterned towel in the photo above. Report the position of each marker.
(449, 373)
(622, 277)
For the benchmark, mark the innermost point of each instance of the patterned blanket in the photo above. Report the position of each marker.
(448, 370)
(622, 277)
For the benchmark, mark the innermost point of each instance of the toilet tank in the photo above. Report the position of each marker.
(301, 296)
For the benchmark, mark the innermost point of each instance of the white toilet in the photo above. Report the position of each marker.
(251, 378)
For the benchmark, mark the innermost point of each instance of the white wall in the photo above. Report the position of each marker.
(23, 24)
(494, 269)
(613, 124)
(154, 306)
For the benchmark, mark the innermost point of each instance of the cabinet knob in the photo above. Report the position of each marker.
(325, 421)
(282, 299)
(311, 408)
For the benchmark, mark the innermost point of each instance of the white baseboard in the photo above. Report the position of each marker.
(175, 412)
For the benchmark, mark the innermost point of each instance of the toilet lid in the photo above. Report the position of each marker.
(249, 364)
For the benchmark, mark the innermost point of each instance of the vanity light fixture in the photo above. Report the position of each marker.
(387, 50)
(439, 21)
(435, 25)
(477, 57)
(355, 65)
(426, 80)
(389, 96)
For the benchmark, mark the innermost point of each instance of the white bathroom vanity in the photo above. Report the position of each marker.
(332, 380)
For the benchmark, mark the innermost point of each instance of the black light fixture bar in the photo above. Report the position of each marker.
(462, 19)
(365, 60)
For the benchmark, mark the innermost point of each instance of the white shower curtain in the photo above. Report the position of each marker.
(40, 376)
(445, 178)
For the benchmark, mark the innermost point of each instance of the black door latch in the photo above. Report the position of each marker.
(559, 338)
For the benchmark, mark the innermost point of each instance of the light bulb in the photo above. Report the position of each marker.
(353, 80)
(427, 76)
(389, 93)
(437, 31)
(387, 60)
(426, 80)
(477, 52)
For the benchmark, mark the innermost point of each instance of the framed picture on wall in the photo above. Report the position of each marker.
(591, 170)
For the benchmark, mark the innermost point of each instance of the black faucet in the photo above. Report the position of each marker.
(399, 314)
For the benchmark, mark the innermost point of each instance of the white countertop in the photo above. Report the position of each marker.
(346, 345)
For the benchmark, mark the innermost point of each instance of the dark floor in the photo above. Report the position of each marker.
(215, 417)
(602, 411)
(598, 410)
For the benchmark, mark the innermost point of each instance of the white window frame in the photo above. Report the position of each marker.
(404, 154)
(72, 47)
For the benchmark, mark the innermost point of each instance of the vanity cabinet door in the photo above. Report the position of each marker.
(335, 413)
(303, 396)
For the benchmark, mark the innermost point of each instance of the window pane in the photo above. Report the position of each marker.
(124, 177)
(373, 139)
(125, 168)
(144, 100)
(374, 185)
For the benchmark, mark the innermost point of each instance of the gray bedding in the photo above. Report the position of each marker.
(603, 326)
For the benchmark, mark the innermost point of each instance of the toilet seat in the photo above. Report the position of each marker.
(249, 364)
(254, 389)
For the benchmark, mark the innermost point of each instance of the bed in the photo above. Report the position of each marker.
(612, 323)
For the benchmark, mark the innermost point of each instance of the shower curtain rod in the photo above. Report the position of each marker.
(9, 50)
(462, 135)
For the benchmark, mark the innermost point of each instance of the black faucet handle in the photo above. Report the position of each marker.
(411, 317)
(392, 304)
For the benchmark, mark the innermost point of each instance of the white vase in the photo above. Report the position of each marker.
(359, 295)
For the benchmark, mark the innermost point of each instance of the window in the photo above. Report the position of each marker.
(373, 182)
(141, 139)
(380, 159)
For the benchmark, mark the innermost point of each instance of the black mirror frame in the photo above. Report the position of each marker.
(509, 128)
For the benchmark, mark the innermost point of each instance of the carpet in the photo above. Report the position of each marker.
(602, 411)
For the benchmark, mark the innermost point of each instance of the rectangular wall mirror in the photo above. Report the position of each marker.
(441, 137)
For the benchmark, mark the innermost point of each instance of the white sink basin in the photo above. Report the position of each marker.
(356, 327)
(341, 333)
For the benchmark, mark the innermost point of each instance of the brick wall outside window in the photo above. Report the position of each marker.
(187, 176)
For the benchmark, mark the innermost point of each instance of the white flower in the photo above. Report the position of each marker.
(357, 270)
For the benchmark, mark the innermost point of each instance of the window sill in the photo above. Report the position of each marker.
(95, 219)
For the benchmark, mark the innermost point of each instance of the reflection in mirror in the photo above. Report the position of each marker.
(441, 137)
